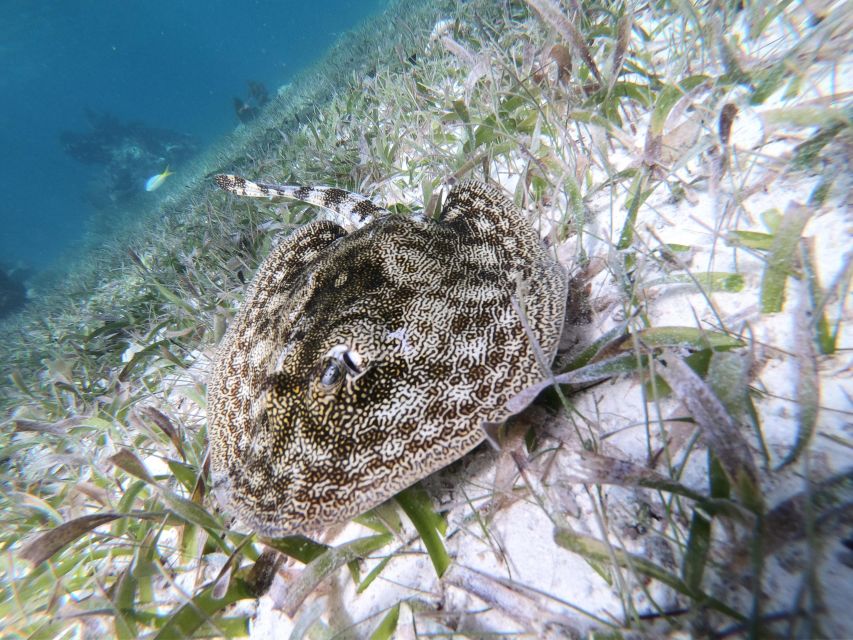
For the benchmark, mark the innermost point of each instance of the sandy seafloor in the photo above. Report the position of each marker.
(512, 577)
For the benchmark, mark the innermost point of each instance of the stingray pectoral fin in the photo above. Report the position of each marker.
(237, 389)
(482, 210)
(285, 263)
(353, 207)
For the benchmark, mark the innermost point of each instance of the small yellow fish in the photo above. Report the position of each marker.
(156, 181)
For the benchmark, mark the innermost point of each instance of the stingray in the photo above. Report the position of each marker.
(361, 362)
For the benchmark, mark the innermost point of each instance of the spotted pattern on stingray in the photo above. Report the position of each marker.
(360, 363)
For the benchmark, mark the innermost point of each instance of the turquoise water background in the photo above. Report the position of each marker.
(170, 65)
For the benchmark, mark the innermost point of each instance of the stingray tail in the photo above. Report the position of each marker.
(354, 207)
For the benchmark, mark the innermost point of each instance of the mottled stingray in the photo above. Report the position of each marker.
(361, 362)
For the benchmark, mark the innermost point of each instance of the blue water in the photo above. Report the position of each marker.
(165, 64)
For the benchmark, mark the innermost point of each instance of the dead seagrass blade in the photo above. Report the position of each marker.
(360, 363)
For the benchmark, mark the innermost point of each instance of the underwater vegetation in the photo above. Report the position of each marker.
(127, 153)
(684, 469)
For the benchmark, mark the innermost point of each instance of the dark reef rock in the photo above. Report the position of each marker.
(247, 110)
(258, 92)
(13, 294)
(129, 152)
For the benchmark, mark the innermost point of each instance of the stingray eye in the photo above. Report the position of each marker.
(349, 361)
(352, 362)
(332, 374)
